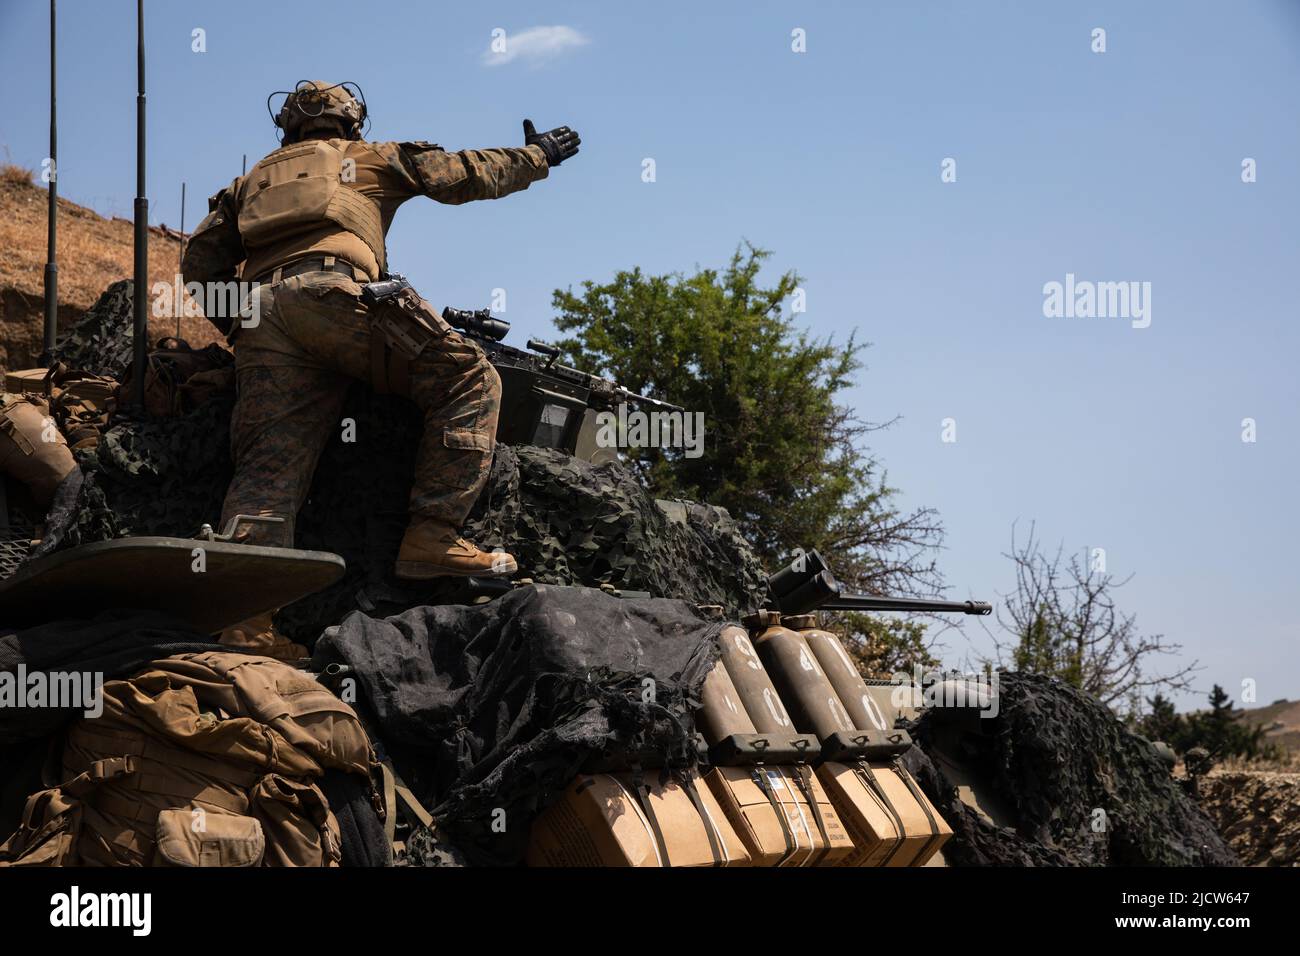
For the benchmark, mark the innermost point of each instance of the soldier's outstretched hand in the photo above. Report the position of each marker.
(558, 144)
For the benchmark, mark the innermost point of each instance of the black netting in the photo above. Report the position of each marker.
(100, 342)
(1084, 791)
(490, 710)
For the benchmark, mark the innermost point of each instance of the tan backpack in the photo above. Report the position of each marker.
(32, 449)
(179, 379)
(82, 403)
(205, 759)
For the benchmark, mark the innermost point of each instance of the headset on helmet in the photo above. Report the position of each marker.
(311, 101)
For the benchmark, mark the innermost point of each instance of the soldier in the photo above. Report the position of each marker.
(308, 224)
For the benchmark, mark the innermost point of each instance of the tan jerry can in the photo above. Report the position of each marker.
(776, 820)
(870, 706)
(752, 683)
(601, 822)
(798, 677)
(888, 817)
(722, 713)
(862, 706)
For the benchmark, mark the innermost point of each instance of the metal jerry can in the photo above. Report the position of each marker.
(722, 713)
(863, 708)
(752, 683)
(799, 678)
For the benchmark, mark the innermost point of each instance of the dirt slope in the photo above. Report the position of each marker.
(1258, 813)
(93, 252)
(1281, 723)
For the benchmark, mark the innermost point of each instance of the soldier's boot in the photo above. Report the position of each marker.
(435, 549)
(258, 635)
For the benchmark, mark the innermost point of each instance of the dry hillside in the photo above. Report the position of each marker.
(93, 252)
(1281, 723)
(1258, 813)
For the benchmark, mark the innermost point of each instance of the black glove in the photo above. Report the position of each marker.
(558, 145)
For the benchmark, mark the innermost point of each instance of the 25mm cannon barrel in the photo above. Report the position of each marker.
(867, 602)
(808, 585)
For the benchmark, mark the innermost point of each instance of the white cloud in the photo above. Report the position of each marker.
(536, 45)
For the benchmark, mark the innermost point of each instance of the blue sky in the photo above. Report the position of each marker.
(1123, 165)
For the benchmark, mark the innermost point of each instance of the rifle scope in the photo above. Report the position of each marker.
(478, 322)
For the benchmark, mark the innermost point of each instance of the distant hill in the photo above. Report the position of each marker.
(1281, 722)
(93, 252)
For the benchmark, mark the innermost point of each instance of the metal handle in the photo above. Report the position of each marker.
(229, 533)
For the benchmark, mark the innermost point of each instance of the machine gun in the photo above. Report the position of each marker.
(807, 585)
(543, 402)
(542, 358)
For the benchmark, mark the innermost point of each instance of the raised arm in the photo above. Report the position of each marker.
(471, 174)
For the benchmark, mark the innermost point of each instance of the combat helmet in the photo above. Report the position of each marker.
(314, 105)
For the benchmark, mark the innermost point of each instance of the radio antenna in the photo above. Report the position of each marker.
(52, 217)
(180, 266)
(140, 328)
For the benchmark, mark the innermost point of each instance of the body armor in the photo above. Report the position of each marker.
(297, 188)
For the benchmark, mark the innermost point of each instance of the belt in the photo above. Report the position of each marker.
(314, 264)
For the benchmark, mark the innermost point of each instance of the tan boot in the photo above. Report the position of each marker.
(258, 635)
(434, 549)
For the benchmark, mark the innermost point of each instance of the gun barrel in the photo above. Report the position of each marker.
(647, 400)
(808, 585)
(867, 602)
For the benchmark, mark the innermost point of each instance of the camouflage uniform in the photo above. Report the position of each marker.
(313, 334)
(293, 371)
(32, 449)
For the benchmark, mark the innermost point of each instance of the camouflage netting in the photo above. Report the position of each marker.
(160, 477)
(567, 521)
(1056, 756)
(101, 341)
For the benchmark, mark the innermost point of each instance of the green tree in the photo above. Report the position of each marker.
(883, 646)
(1063, 619)
(1163, 722)
(1222, 732)
(782, 452)
(1045, 649)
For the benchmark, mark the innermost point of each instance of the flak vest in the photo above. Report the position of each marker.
(301, 186)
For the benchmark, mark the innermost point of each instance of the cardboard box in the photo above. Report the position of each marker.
(764, 832)
(875, 832)
(600, 822)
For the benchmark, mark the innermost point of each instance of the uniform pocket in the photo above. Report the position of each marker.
(219, 840)
(466, 440)
(321, 284)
